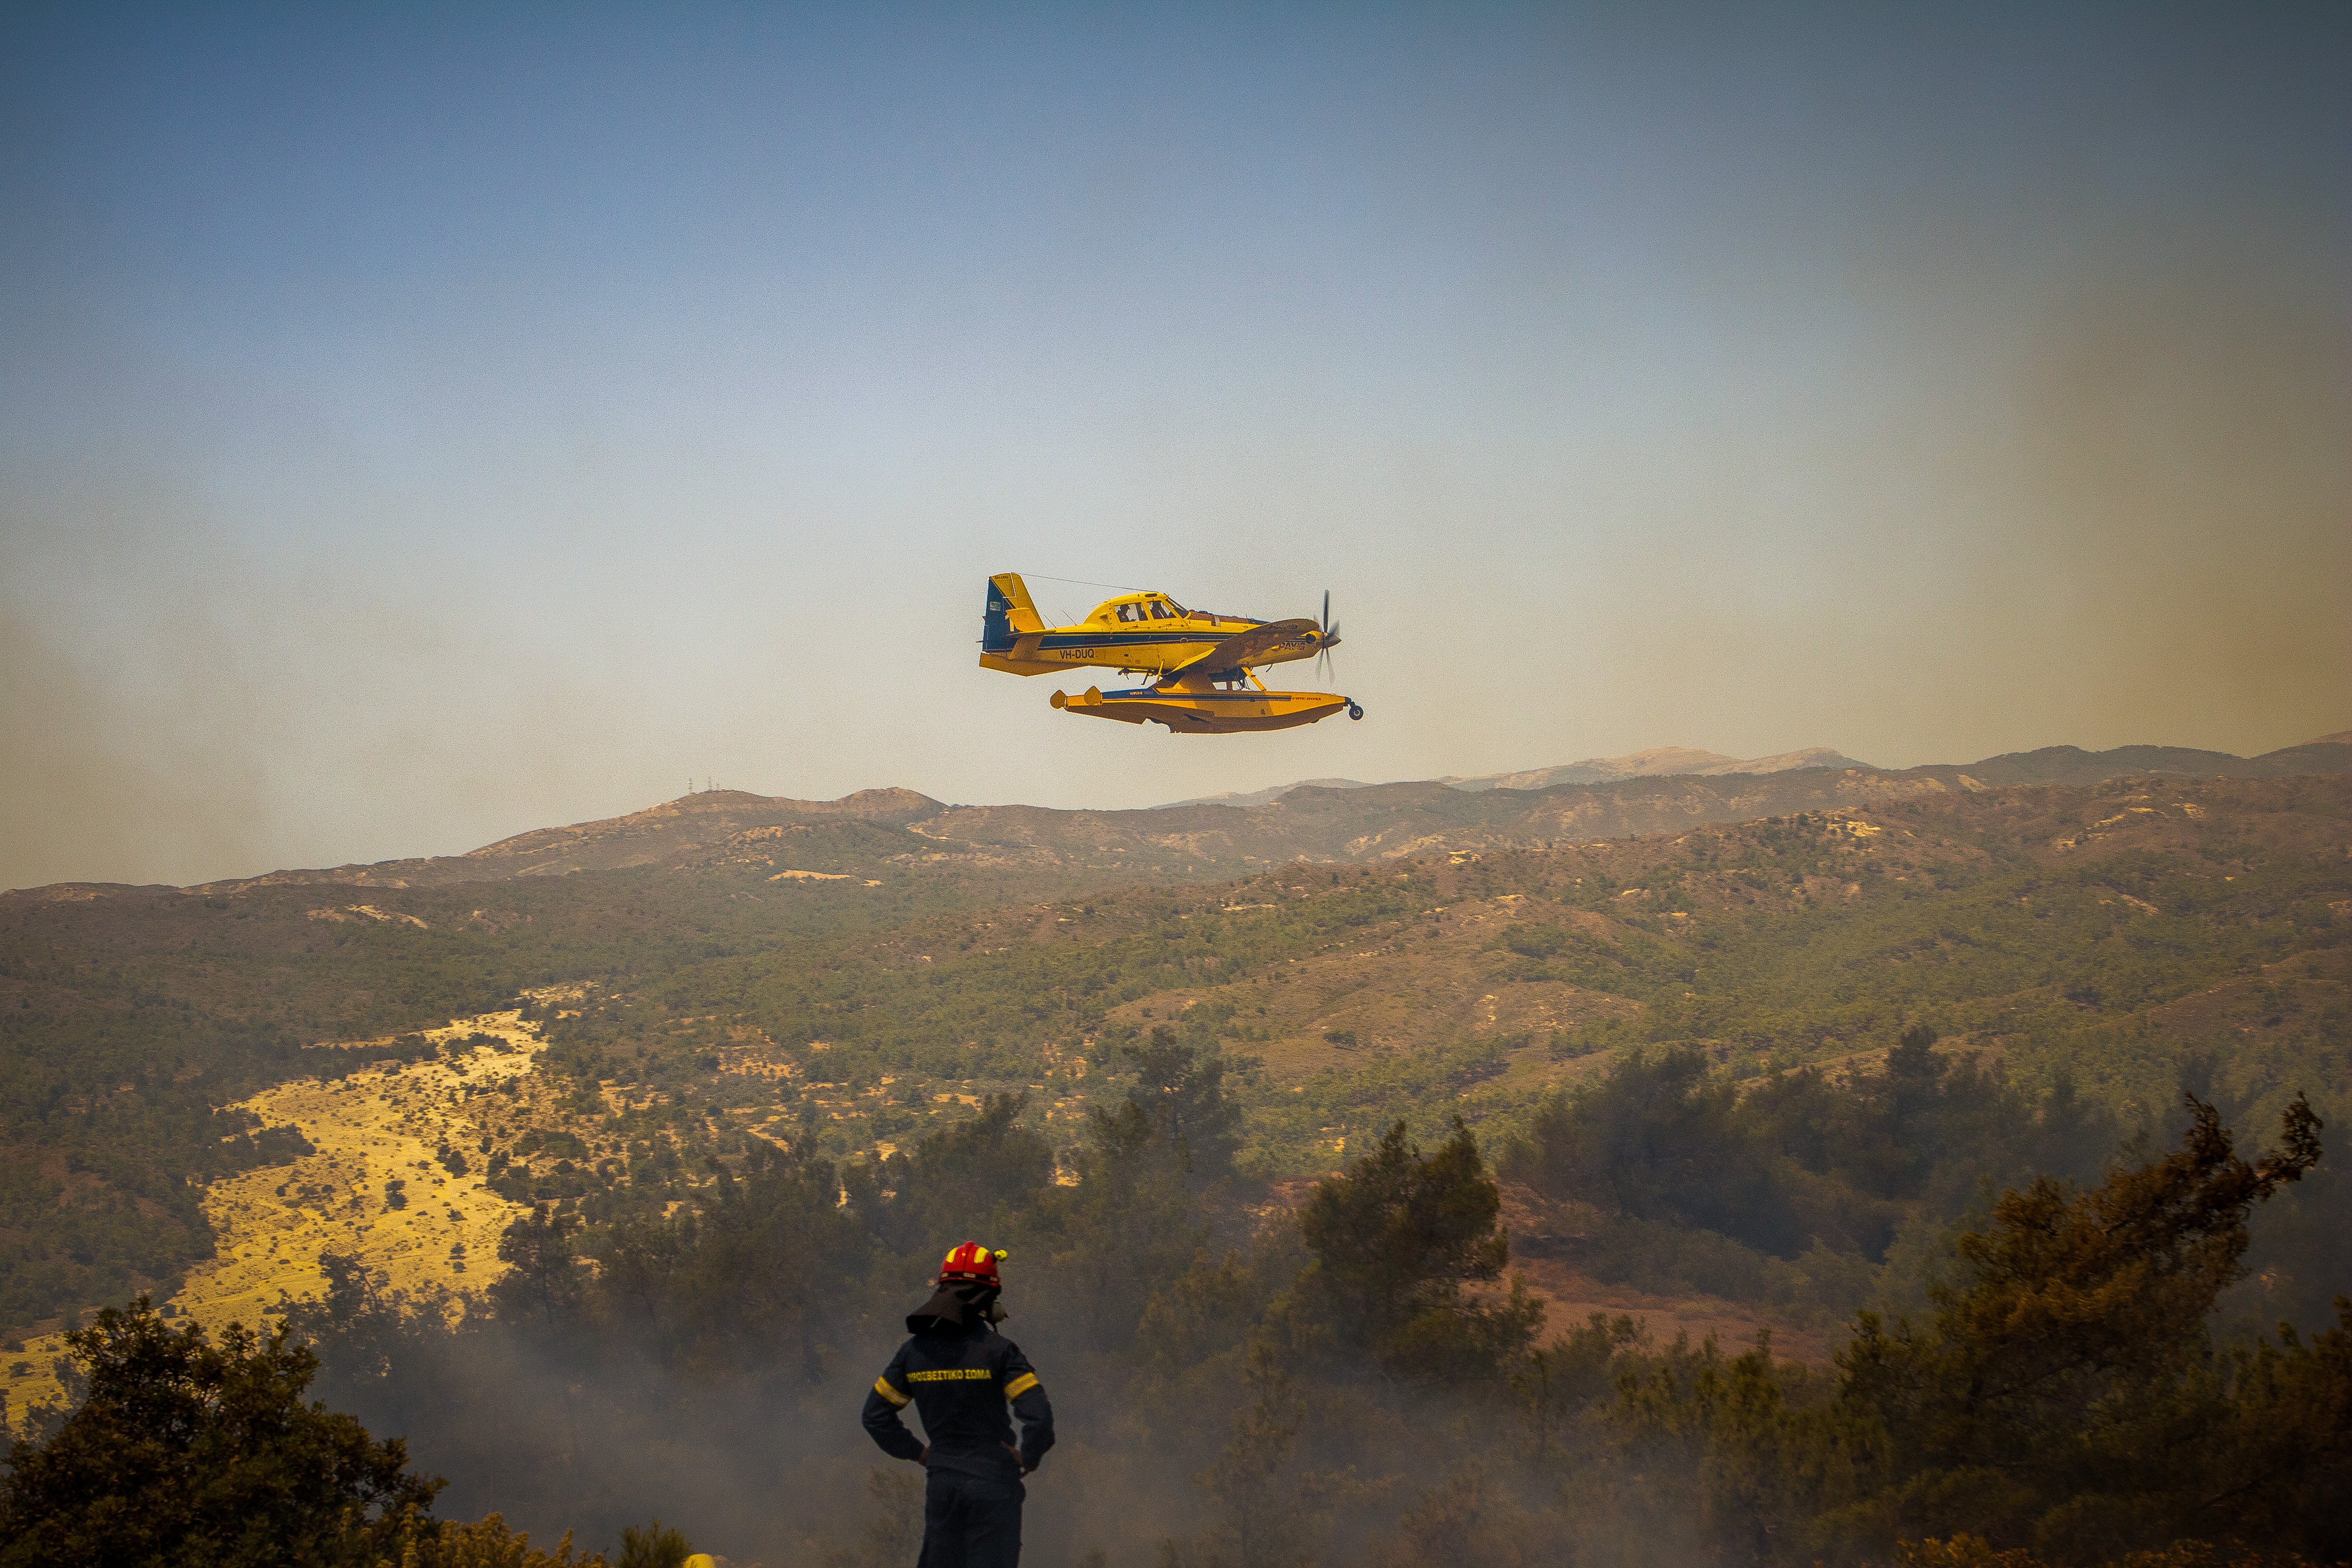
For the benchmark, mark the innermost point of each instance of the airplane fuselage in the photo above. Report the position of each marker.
(1147, 632)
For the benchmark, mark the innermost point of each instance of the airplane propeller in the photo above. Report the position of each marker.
(1327, 640)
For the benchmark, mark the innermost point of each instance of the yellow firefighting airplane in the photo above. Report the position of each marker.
(1205, 663)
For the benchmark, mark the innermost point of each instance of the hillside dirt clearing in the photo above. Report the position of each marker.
(369, 1129)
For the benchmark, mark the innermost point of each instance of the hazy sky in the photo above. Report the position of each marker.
(420, 423)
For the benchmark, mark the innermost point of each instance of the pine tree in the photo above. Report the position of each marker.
(1396, 1238)
(2068, 1398)
(188, 1451)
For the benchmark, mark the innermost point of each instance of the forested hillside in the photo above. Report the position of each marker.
(1775, 1065)
(832, 976)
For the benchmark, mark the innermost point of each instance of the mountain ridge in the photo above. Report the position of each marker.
(1660, 761)
(870, 832)
(1655, 762)
(1688, 762)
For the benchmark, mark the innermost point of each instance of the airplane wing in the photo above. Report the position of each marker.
(1259, 644)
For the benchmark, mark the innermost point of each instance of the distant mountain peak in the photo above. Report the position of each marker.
(1658, 761)
(1267, 796)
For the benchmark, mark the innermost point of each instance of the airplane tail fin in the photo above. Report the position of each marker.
(1010, 613)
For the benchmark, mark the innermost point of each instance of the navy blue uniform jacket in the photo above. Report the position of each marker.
(960, 1378)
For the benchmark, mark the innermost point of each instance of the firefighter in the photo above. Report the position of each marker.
(961, 1373)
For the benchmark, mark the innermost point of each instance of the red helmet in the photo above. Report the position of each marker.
(969, 1264)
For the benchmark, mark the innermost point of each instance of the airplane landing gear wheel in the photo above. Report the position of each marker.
(1354, 711)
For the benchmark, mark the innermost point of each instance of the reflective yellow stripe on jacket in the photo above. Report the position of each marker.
(882, 1386)
(1020, 1385)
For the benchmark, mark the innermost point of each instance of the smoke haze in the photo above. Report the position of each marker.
(418, 429)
